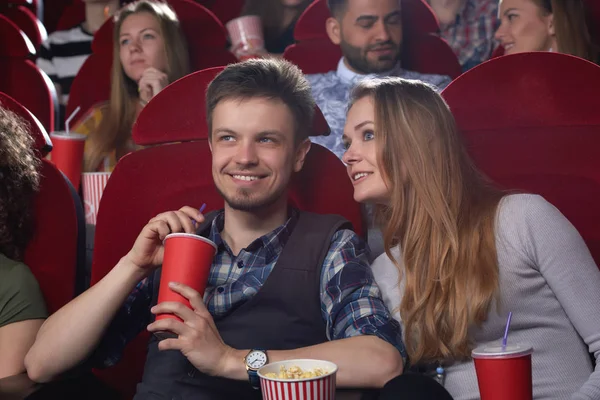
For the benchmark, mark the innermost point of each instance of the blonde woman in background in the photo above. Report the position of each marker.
(546, 25)
(461, 254)
(149, 52)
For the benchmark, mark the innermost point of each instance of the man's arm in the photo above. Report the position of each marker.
(365, 341)
(70, 335)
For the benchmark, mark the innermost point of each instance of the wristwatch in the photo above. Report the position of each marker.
(255, 360)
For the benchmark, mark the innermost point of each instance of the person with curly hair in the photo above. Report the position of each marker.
(22, 308)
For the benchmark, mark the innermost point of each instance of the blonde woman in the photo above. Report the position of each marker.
(545, 25)
(461, 254)
(149, 52)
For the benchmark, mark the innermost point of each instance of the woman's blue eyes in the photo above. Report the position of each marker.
(145, 36)
(368, 135)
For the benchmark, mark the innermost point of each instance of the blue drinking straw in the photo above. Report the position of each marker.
(505, 338)
(200, 210)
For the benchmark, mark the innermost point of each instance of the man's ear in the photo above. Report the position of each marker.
(210, 142)
(333, 30)
(302, 150)
(551, 30)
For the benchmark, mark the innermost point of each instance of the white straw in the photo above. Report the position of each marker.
(68, 121)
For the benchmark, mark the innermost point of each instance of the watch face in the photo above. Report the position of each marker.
(256, 359)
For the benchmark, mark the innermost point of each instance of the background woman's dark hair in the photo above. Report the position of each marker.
(573, 33)
(19, 182)
(271, 14)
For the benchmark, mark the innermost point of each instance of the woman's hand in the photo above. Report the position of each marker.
(151, 82)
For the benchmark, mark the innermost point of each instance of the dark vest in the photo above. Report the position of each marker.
(285, 314)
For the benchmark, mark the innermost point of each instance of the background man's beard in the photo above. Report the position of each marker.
(360, 63)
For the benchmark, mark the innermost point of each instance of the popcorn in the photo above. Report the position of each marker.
(296, 373)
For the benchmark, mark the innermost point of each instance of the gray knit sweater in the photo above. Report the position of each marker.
(551, 284)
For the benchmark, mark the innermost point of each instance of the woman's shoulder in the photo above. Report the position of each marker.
(519, 209)
(14, 274)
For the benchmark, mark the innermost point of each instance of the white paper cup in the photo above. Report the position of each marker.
(247, 39)
(93, 185)
(317, 388)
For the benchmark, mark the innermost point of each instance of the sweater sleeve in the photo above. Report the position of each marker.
(557, 249)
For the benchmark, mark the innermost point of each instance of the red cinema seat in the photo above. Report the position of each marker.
(131, 197)
(20, 78)
(71, 16)
(26, 20)
(531, 122)
(205, 34)
(225, 10)
(423, 50)
(55, 254)
(42, 140)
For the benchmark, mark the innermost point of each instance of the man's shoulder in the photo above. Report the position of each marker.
(72, 35)
(439, 81)
(322, 80)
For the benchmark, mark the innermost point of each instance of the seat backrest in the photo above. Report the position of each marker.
(186, 120)
(530, 121)
(42, 141)
(439, 58)
(72, 15)
(56, 254)
(91, 85)
(224, 10)
(205, 34)
(27, 21)
(423, 50)
(14, 43)
(20, 78)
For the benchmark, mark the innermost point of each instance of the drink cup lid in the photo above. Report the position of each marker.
(497, 351)
(191, 236)
(70, 135)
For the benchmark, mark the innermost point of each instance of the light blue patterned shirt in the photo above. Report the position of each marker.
(332, 91)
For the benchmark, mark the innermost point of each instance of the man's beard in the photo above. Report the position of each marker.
(359, 61)
(243, 200)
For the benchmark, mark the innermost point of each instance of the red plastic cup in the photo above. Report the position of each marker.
(187, 260)
(247, 39)
(317, 388)
(504, 372)
(67, 154)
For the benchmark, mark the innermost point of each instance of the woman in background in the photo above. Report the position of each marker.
(546, 25)
(279, 19)
(149, 52)
(461, 254)
(22, 308)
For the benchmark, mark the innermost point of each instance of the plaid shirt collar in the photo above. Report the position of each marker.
(272, 243)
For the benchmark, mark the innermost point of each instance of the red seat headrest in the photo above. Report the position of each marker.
(42, 141)
(528, 89)
(27, 22)
(178, 112)
(14, 43)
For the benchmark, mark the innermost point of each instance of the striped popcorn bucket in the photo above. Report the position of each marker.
(317, 388)
(93, 185)
(246, 36)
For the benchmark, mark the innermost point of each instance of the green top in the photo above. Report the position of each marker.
(20, 295)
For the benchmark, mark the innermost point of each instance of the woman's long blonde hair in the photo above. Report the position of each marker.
(114, 132)
(571, 27)
(441, 212)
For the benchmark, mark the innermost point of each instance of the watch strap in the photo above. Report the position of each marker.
(253, 374)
